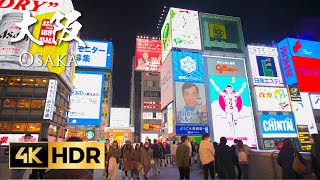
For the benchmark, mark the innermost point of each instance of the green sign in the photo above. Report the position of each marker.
(166, 36)
(90, 134)
(222, 33)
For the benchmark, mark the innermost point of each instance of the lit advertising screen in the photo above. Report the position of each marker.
(166, 82)
(120, 117)
(148, 55)
(191, 109)
(185, 29)
(272, 99)
(265, 66)
(274, 126)
(5, 139)
(96, 54)
(187, 67)
(230, 101)
(166, 37)
(221, 33)
(86, 98)
(146, 136)
(170, 118)
(26, 55)
(315, 101)
(303, 113)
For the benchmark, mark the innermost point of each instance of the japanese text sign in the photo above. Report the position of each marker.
(51, 99)
(286, 62)
(96, 54)
(272, 99)
(265, 66)
(148, 55)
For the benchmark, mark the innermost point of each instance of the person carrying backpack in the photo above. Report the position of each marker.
(243, 152)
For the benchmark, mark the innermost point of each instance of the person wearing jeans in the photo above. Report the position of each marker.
(207, 153)
(183, 158)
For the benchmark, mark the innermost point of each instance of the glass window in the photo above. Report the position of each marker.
(19, 126)
(13, 91)
(2, 78)
(8, 112)
(41, 92)
(28, 81)
(33, 127)
(9, 103)
(24, 103)
(38, 103)
(5, 126)
(41, 82)
(14, 81)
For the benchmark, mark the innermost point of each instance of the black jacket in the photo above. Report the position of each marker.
(285, 160)
(225, 162)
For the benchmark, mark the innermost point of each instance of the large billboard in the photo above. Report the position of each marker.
(28, 56)
(166, 82)
(191, 109)
(274, 126)
(185, 29)
(170, 118)
(120, 117)
(265, 66)
(166, 37)
(96, 54)
(303, 113)
(86, 98)
(272, 99)
(230, 100)
(221, 33)
(187, 67)
(148, 55)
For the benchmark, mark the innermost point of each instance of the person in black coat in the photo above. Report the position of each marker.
(235, 157)
(225, 161)
(315, 154)
(285, 160)
(215, 145)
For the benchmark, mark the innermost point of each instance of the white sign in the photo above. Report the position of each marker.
(185, 29)
(6, 138)
(95, 54)
(149, 115)
(265, 68)
(272, 99)
(86, 98)
(120, 117)
(303, 113)
(166, 76)
(170, 118)
(315, 101)
(145, 137)
(51, 99)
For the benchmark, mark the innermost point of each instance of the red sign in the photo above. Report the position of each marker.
(46, 32)
(225, 68)
(308, 73)
(148, 55)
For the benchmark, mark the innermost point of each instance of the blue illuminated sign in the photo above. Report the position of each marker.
(278, 126)
(191, 130)
(285, 58)
(96, 54)
(187, 67)
(304, 48)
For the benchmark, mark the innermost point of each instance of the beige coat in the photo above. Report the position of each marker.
(146, 157)
(128, 159)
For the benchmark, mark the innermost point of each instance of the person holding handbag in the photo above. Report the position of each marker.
(315, 154)
(286, 160)
(146, 159)
(137, 161)
(112, 160)
(128, 159)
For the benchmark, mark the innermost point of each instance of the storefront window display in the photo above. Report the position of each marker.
(20, 127)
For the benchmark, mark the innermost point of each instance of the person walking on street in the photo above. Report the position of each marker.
(193, 152)
(146, 158)
(163, 154)
(107, 149)
(190, 153)
(156, 156)
(207, 153)
(225, 162)
(128, 160)
(112, 159)
(38, 173)
(235, 157)
(18, 173)
(183, 158)
(168, 155)
(243, 152)
(285, 160)
(173, 150)
(315, 154)
(137, 160)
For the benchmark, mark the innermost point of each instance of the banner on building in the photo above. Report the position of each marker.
(272, 99)
(51, 99)
(275, 126)
(148, 55)
(166, 76)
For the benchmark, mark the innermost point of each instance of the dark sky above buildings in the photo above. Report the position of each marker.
(263, 21)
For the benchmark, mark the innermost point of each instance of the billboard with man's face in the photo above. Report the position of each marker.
(191, 110)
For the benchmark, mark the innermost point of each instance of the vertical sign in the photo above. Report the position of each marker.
(51, 99)
(304, 138)
(166, 37)
(294, 93)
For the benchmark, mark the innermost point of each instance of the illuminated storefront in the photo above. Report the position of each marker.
(119, 134)
(23, 104)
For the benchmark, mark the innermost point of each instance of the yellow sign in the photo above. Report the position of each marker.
(217, 31)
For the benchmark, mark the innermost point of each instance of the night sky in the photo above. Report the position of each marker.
(263, 21)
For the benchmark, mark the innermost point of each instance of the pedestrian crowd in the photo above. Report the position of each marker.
(138, 161)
